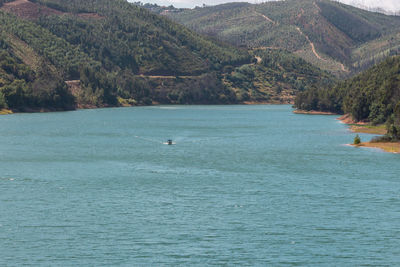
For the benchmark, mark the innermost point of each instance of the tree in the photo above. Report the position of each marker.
(3, 103)
(14, 93)
(357, 140)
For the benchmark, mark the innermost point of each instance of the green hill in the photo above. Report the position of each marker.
(331, 35)
(373, 96)
(105, 49)
(59, 54)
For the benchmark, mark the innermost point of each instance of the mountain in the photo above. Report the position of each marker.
(333, 36)
(373, 96)
(58, 55)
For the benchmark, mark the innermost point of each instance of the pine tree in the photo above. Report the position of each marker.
(357, 140)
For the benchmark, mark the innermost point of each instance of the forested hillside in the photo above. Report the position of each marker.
(276, 77)
(104, 50)
(331, 35)
(373, 96)
(58, 54)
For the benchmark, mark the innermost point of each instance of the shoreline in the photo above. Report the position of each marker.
(6, 111)
(263, 103)
(313, 112)
(367, 128)
(361, 127)
(84, 107)
(390, 147)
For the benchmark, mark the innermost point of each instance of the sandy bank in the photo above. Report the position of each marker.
(362, 126)
(391, 147)
(263, 103)
(365, 127)
(368, 129)
(313, 112)
(5, 111)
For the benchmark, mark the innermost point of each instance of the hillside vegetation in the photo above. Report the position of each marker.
(372, 96)
(58, 54)
(331, 35)
(276, 77)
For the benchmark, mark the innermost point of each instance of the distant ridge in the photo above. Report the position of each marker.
(331, 35)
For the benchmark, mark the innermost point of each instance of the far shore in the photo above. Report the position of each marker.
(81, 107)
(264, 103)
(33, 110)
(313, 112)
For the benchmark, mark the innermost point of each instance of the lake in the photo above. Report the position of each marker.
(243, 185)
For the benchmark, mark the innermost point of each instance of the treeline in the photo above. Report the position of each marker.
(372, 96)
(156, 8)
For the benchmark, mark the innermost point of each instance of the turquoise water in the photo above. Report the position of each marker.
(244, 185)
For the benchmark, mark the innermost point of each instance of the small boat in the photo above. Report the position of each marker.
(169, 142)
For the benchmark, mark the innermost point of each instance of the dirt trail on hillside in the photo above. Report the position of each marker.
(311, 44)
(308, 39)
(317, 7)
(343, 67)
(164, 77)
(265, 17)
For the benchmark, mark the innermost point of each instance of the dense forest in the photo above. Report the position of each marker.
(373, 96)
(59, 55)
(333, 36)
